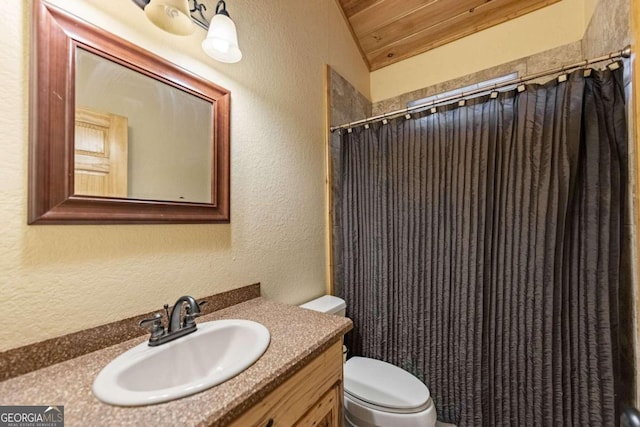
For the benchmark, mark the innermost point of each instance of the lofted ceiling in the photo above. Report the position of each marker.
(388, 31)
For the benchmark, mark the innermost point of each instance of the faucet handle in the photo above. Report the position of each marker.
(156, 319)
(198, 313)
(155, 324)
(189, 317)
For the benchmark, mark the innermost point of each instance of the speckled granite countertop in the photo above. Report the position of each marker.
(297, 336)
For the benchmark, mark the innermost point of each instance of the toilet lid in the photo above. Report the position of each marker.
(383, 384)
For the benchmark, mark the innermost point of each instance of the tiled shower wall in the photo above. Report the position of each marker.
(609, 29)
(532, 64)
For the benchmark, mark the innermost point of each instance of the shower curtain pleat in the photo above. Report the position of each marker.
(479, 249)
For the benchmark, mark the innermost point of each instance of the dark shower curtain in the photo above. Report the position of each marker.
(479, 248)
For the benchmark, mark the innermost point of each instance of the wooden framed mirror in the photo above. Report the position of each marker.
(118, 134)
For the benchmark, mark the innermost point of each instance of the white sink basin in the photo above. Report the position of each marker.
(216, 352)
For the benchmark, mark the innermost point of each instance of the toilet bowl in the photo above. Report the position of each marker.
(377, 393)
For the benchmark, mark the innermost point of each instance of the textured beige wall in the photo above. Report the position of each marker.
(59, 279)
(556, 25)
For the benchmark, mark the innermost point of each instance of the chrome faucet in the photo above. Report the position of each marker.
(178, 325)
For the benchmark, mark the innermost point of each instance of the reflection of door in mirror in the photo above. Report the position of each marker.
(100, 154)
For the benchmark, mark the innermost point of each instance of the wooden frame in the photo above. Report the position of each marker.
(55, 37)
(331, 289)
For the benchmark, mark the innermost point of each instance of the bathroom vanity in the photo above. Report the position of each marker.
(297, 381)
(312, 397)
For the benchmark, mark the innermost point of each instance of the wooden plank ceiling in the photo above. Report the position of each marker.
(389, 31)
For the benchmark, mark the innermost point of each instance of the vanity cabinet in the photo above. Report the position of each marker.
(311, 397)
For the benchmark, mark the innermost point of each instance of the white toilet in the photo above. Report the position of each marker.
(377, 393)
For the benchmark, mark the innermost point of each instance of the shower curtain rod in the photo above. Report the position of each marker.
(623, 53)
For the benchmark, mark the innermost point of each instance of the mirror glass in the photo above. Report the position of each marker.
(139, 138)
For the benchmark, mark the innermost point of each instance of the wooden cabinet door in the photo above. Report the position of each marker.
(325, 413)
(311, 397)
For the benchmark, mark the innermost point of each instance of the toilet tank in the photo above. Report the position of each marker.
(327, 304)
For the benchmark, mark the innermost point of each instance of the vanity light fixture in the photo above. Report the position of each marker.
(170, 15)
(175, 17)
(222, 39)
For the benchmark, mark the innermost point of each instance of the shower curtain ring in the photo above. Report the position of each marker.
(613, 64)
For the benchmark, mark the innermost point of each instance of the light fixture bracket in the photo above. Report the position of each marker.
(195, 7)
(222, 11)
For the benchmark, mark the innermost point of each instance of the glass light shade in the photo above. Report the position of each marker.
(222, 40)
(170, 15)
